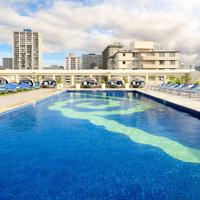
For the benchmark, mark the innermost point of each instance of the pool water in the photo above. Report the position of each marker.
(99, 145)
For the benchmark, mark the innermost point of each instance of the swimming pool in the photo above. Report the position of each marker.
(99, 145)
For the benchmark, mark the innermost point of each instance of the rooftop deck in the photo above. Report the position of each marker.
(192, 103)
(15, 100)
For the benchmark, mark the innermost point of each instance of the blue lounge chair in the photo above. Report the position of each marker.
(2, 88)
(180, 89)
(165, 87)
(176, 88)
(36, 85)
(172, 87)
(195, 89)
(154, 87)
(24, 86)
(11, 87)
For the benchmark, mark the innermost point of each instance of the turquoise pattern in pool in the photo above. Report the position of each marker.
(100, 145)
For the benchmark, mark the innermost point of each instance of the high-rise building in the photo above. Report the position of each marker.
(143, 56)
(27, 50)
(109, 51)
(7, 63)
(91, 61)
(72, 62)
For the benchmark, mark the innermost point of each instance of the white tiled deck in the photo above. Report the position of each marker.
(191, 103)
(12, 101)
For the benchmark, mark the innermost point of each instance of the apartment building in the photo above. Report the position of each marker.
(91, 61)
(108, 52)
(27, 50)
(143, 56)
(72, 62)
(7, 63)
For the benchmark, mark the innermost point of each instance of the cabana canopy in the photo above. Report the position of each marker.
(27, 80)
(138, 82)
(139, 79)
(115, 82)
(115, 79)
(48, 83)
(3, 80)
(89, 82)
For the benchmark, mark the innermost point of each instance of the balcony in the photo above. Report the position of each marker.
(158, 57)
(158, 66)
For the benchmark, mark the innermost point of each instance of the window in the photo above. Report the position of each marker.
(162, 62)
(161, 54)
(150, 54)
(134, 55)
(124, 54)
(172, 54)
(124, 62)
(172, 62)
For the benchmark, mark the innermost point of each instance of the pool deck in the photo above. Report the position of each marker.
(13, 101)
(192, 103)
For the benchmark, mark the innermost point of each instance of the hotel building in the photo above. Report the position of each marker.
(27, 50)
(108, 52)
(72, 62)
(144, 55)
(91, 61)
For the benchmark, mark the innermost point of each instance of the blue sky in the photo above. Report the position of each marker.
(87, 26)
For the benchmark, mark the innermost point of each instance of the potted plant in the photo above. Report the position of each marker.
(59, 84)
(126, 83)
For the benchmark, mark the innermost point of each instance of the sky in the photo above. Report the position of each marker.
(88, 26)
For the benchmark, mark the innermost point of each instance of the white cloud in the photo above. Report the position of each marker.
(73, 26)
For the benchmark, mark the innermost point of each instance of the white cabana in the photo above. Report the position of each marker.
(27, 80)
(3, 80)
(115, 82)
(89, 82)
(138, 82)
(48, 83)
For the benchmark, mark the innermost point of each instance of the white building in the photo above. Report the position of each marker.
(72, 62)
(143, 56)
(27, 50)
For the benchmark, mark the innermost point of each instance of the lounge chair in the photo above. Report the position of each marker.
(195, 89)
(36, 85)
(24, 86)
(172, 87)
(11, 87)
(165, 87)
(154, 87)
(2, 89)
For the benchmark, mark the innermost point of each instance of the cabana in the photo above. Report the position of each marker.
(3, 80)
(89, 82)
(48, 83)
(115, 82)
(138, 82)
(26, 80)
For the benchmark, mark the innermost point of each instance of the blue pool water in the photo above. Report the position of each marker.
(99, 145)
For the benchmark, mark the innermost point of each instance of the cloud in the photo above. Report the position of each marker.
(88, 26)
